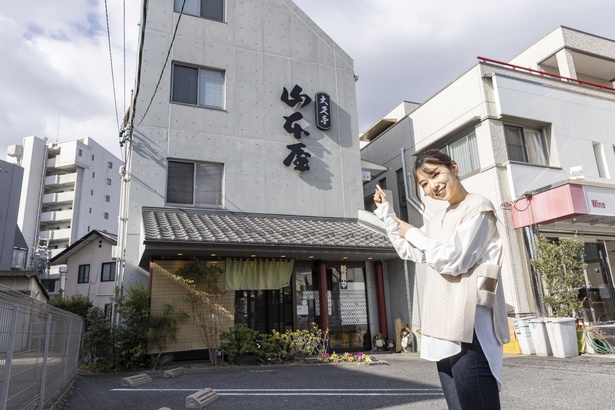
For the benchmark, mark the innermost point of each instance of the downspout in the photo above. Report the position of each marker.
(418, 207)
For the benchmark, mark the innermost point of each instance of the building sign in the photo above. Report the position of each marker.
(600, 201)
(366, 176)
(323, 111)
(297, 155)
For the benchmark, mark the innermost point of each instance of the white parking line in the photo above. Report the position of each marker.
(300, 391)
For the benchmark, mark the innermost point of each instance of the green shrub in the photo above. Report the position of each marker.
(272, 348)
(237, 341)
(561, 265)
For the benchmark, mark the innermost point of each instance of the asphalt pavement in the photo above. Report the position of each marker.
(398, 381)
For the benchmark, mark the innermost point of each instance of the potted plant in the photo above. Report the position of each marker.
(561, 265)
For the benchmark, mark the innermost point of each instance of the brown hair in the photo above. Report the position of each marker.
(433, 157)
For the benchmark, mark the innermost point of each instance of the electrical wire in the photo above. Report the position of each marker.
(111, 62)
(181, 13)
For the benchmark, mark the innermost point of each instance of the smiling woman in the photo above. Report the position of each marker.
(464, 322)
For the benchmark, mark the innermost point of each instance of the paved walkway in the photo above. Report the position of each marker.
(404, 382)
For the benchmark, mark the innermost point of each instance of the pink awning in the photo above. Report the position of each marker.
(558, 203)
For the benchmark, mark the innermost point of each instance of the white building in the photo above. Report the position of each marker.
(90, 268)
(244, 152)
(69, 189)
(535, 136)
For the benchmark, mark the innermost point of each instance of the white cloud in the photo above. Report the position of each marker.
(58, 81)
(55, 78)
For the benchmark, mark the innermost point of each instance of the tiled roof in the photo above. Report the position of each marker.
(223, 227)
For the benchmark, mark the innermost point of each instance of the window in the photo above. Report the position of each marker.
(90, 210)
(106, 216)
(600, 160)
(108, 181)
(91, 192)
(198, 86)
(210, 9)
(194, 183)
(19, 259)
(93, 174)
(80, 152)
(108, 198)
(464, 151)
(526, 145)
(383, 183)
(108, 272)
(401, 190)
(84, 274)
(110, 164)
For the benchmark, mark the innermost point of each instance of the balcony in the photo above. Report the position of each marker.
(56, 216)
(66, 197)
(61, 180)
(62, 234)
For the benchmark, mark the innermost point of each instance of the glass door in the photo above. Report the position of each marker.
(598, 306)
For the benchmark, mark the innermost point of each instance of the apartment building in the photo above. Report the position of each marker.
(12, 252)
(535, 136)
(69, 189)
(242, 151)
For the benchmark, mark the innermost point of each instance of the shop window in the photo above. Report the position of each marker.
(198, 184)
(526, 145)
(348, 322)
(198, 86)
(209, 9)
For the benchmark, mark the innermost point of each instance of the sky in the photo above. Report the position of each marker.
(56, 79)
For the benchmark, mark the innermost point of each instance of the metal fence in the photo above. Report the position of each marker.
(39, 351)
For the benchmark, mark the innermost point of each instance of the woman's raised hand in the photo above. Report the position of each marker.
(403, 226)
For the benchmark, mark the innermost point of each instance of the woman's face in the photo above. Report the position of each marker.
(441, 183)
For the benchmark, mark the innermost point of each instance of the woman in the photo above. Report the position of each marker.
(464, 323)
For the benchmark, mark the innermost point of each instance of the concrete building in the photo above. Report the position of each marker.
(242, 150)
(12, 252)
(69, 189)
(535, 136)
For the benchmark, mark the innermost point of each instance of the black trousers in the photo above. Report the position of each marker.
(467, 381)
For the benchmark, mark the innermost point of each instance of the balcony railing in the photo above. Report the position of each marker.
(545, 74)
(59, 198)
(56, 216)
(60, 180)
(62, 234)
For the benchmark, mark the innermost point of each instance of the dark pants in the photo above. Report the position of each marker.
(467, 381)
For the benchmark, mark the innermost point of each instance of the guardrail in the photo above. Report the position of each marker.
(40, 349)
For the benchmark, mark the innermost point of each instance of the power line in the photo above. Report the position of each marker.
(181, 12)
(111, 62)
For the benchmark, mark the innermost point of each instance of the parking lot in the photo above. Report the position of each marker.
(402, 381)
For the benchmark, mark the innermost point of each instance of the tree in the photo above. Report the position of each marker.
(77, 304)
(163, 329)
(561, 265)
(202, 279)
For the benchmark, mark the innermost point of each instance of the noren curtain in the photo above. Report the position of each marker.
(258, 274)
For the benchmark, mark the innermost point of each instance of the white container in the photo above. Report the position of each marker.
(522, 329)
(540, 338)
(563, 336)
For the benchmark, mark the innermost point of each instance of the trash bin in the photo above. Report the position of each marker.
(563, 336)
(522, 329)
(540, 338)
